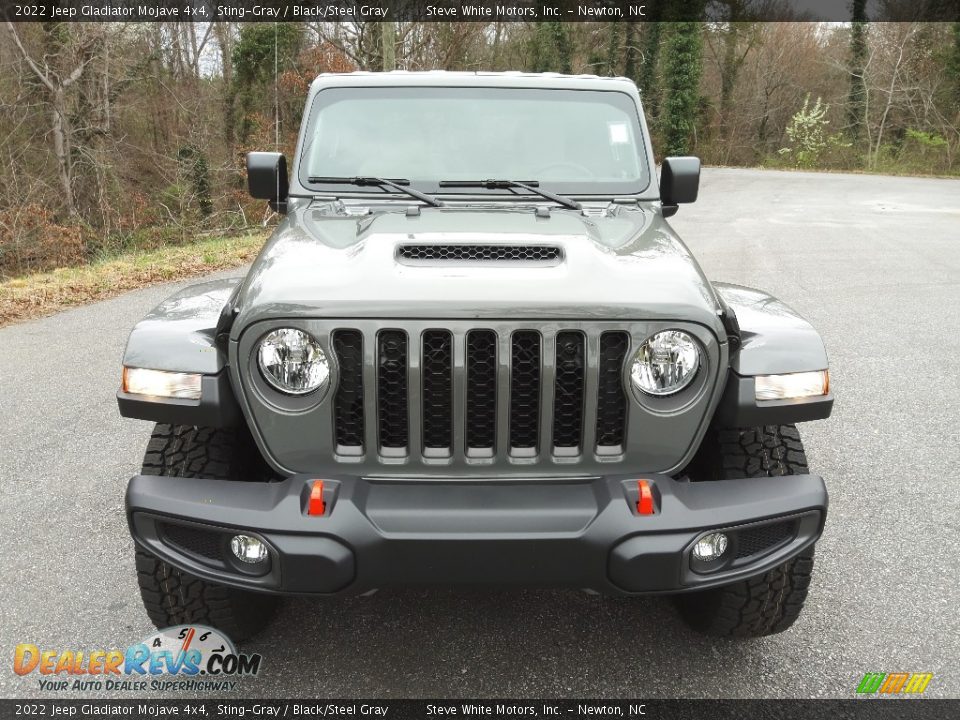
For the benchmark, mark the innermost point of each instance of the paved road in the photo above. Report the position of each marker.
(874, 263)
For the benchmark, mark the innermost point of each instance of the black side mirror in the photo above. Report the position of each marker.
(679, 182)
(267, 178)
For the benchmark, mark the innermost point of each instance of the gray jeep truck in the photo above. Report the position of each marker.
(474, 352)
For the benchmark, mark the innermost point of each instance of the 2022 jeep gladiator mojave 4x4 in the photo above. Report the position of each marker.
(474, 352)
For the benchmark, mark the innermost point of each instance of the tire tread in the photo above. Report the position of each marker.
(171, 596)
(772, 602)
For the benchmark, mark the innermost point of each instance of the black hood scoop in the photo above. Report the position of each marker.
(479, 254)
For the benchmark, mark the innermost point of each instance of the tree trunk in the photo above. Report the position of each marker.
(389, 42)
(649, 87)
(222, 33)
(61, 148)
(856, 107)
(728, 78)
(894, 76)
(630, 53)
(682, 70)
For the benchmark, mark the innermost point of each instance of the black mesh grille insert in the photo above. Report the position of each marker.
(437, 390)
(481, 253)
(611, 400)
(348, 402)
(205, 543)
(481, 390)
(758, 539)
(525, 391)
(568, 393)
(392, 389)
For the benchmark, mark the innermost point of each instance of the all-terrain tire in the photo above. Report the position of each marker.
(173, 597)
(770, 603)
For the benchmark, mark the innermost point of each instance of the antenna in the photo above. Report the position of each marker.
(276, 100)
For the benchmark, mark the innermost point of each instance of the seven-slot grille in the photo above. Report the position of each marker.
(518, 393)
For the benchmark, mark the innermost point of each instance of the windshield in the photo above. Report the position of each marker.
(574, 141)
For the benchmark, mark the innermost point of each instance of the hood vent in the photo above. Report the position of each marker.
(480, 254)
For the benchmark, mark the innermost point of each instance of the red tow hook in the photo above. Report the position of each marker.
(645, 504)
(315, 503)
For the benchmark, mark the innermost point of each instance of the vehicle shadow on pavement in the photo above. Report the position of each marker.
(449, 643)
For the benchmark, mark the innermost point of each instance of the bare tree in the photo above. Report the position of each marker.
(895, 89)
(61, 127)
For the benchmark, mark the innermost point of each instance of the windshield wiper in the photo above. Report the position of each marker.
(397, 184)
(531, 185)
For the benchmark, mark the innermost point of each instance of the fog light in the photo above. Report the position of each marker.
(710, 547)
(248, 549)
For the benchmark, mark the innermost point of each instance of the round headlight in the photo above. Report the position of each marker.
(665, 363)
(292, 361)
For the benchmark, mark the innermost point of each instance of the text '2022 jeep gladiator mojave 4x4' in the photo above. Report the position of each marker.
(474, 352)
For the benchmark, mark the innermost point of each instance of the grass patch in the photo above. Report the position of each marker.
(41, 294)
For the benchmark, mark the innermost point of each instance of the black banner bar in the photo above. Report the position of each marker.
(884, 708)
(466, 10)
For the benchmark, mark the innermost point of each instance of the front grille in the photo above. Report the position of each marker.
(437, 393)
(612, 401)
(392, 391)
(479, 394)
(525, 393)
(348, 402)
(205, 543)
(759, 539)
(568, 399)
(526, 254)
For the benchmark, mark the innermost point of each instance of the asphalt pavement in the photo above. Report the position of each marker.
(873, 262)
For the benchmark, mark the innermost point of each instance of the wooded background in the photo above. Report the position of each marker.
(118, 136)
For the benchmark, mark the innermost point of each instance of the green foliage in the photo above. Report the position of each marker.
(953, 64)
(630, 54)
(551, 49)
(683, 67)
(194, 166)
(927, 140)
(648, 82)
(917, 152)
(262, 51)
(807, 131)
(611, 64)
(856, 108)
(253, 56)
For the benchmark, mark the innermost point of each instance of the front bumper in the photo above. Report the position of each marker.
(548, 533)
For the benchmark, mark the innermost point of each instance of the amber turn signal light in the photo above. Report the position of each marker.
(315, 504)
(645, 498)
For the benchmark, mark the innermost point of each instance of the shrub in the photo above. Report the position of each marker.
(807, 131)
(31, 239)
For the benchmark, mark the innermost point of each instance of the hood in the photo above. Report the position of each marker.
(614, 262)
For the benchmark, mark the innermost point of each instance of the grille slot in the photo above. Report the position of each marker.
(481, 392)
(568, 393)
(611, 400)
(475, 253)
(437, 393)
(204, 543)
(392, 392)
(753, 541)
(348, 402)
(524, 393)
